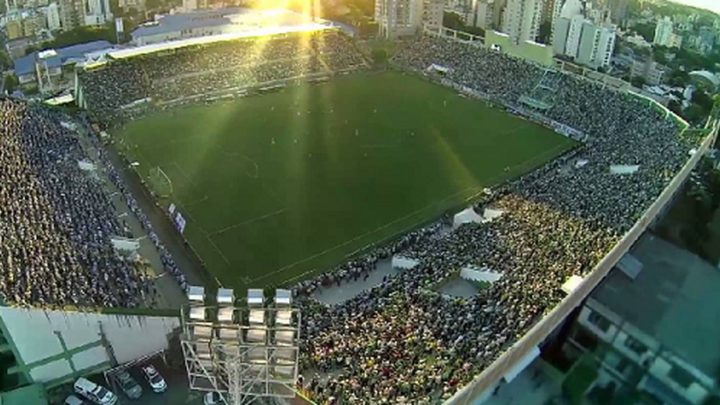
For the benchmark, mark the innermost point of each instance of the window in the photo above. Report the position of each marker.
(635, 345)
(599, 321)
(680, 376)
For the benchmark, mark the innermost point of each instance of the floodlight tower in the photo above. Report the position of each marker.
(242, 349)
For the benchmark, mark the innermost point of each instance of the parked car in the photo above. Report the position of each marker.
(95, 393)
(157, 383)
(211, 398)
(73, 400)
(130, 387)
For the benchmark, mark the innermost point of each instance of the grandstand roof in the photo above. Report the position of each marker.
(231, 19)
(195, 19)
(707, 76)
(146, 49)
(68, 54)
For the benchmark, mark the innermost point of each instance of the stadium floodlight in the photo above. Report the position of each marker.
(225, 296)
(255, 297)
(283, 297)
(196, 294)
(243, 350)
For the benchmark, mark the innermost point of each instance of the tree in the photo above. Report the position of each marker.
(647, 31)
(638, 81)
(455, 21)
(10, 83)
(5, 60)
(701, 98)
(81, 35)
(679, 78)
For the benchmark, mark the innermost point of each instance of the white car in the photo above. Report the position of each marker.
(157, 383)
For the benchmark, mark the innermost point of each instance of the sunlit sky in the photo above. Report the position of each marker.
(713, 5)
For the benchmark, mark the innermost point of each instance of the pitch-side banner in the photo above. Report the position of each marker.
(180, 222)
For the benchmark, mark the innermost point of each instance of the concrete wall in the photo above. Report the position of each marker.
(540, 331)
(53, 345)
(534, 52)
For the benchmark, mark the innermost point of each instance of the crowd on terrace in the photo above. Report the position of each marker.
(213, 69)
(56, 222)
(403, 342)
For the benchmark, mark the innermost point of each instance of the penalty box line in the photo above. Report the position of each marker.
(246, 222)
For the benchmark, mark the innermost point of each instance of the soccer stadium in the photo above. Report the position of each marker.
(286, 160)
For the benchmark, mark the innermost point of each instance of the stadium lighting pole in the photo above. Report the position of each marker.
(245, 349)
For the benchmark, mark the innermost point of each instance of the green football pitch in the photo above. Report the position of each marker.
(278, 186)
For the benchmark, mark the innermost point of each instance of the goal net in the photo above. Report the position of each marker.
(159, 182)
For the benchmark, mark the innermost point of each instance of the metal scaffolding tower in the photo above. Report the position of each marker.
(242, 349)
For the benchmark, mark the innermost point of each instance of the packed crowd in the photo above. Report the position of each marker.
(215, 68)
(166, 258)
(56, 222)
(402, 342)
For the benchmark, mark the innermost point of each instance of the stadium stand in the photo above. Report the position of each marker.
(401, 342)
(205, 71)
(57, 222)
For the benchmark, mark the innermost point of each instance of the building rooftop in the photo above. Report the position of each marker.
(237, 19)
(31, 394)
(26, 64)
(673, 298)
(706, 76)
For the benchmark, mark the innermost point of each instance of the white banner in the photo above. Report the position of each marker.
(180, 222)
(119, 27)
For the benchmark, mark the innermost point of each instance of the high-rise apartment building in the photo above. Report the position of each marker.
(398, 18)
(97, 12)
(521, 19)
(663, 32)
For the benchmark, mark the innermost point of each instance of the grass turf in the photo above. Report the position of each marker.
(280, 185)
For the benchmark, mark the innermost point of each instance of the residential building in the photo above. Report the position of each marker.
(652, 325)
(52, 16)
(398, 18)
(652, 72)
(562, 13)
(71, 13)
(433, 13)
(637, 40)
(548, 9)
(16, 48)
(521, 20)
(97, 12)
(189, 5)
(663, 32)
(483, 14)
(32, 23)
(597, 43)
(706, 40)
(619, 12)
(53, 69)
(556, 11)
(127, 5)
(676, 41)
(14, 28)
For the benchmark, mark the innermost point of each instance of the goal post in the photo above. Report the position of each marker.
(160, 182)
